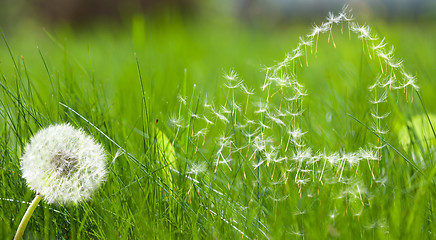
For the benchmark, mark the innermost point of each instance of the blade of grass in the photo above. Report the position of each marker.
(387, 143)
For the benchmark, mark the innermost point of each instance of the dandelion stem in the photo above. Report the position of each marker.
(26, 217)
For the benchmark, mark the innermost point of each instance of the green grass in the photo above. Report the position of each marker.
(138, 90)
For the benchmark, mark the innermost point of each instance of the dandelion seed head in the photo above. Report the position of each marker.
(410, 80)
(333, 159)
(201, 132)
(364, 31)
(318, 29)
(182, 100)
(301, 156)
(246, 90)
(331, 18)
(367, 154)
(63, 164)
(381, 45)
(346, 14)
(231, 76)
(305, 42)
(296, 133)
(176, 121)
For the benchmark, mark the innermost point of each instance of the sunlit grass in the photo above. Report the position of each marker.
(193, 151)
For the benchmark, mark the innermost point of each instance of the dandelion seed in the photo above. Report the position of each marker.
(258, 164)
(282, 180)
(331, 18)
(259, 144)
(300, 156)
(307, 42)
(296, 134)
(333, 159)
(395, 64)
(206, 104)
(207, 120)
(315, 159)
(224, 110)
(382, 181)
(182, 100)
(299, 212)
(351, 158)
(196, 116)
(381, 99)
(119, 153)
(280, 81)
(376, 84)
(386, 56)
(379, 130)
(278, 121)
(381, 45)
(378, 147)
(220, 116)
(281, 159)
(297, 143)
(318, 29)
(296, 233)
(380, 116)
(238, 149)
(278, 113)
(246, 90)
(201, 132)
(389, 81)
(249, 134)
(345, 14)
(266, 84)
(293, 98)
(236, 85)
(263, 125)
(262, 107)
(279, 199)
(249, 122)
(300, 92)
(296, 114)
(411, 81)
(232, 76)
(235, 106)
(296, 54)
(224, 141)
(364, 31)
(302, 181)
(175, 121)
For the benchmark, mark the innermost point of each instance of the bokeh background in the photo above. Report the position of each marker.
(82, 13)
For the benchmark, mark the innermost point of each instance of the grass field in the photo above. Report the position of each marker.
(212, 131)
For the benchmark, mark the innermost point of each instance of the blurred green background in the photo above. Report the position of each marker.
(83, 13)
(202, 39)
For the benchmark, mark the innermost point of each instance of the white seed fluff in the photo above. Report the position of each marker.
(63, 164)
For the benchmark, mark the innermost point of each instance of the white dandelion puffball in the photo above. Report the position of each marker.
(63, 164)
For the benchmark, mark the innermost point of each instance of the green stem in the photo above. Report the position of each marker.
(26, 217)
